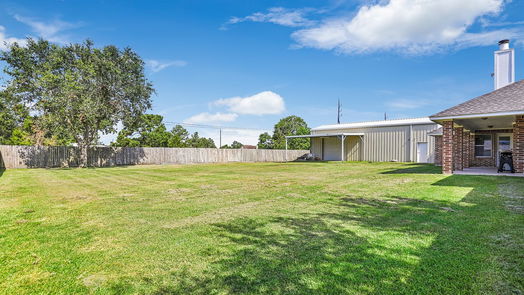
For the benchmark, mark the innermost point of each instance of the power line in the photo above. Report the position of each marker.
(213, 126)
(219, 128)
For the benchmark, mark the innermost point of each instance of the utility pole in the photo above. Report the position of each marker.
(220, 141)
(339, 112)
(385, 116)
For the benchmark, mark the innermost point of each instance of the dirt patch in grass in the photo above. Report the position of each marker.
(514, 197)
(94, 280)
(6, 203)
(102, 244)
(295, 195)
(180, 191)
(220, 215)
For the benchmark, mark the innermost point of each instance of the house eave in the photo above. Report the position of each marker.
(472, 116)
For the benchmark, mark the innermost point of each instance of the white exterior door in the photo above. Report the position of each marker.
(332, 149)
(422, 152)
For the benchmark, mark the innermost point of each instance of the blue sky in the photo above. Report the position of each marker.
(249, 63)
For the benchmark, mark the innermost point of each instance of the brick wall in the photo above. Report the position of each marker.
(466, 149)
(518, 144)
(447, 147)
(458, 142)
(438, 150)
(471, 149)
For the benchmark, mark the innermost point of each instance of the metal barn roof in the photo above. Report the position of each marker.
(383, 123)
(326, 135)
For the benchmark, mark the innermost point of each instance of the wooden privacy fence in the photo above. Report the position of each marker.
(12, 156)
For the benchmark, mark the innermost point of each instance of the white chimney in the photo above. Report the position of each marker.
(504, 65)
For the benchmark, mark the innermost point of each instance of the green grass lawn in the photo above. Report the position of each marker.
(295, 228)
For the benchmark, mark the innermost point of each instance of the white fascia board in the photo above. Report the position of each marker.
(472, 116)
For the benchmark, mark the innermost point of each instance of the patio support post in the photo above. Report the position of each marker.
(447, 147)
(466, 147)
(342, 138)
(458, 142)
(471, 147)
(518, 144)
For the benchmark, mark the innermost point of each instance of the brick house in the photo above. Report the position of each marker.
(476, 132)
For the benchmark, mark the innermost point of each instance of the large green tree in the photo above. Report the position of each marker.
(78, 89)
(17, 126)
(291, 125)
(14, 118)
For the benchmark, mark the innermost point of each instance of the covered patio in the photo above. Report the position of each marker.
(341, 138)
(476, 134)
(488, 171)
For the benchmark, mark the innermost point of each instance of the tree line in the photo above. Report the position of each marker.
(150, 131)
(64, 95)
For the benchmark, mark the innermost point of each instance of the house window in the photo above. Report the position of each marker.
(483, 145)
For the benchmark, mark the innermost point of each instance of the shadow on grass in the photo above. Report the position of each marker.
(2, 164)
(69, 156)
(412, 168)
(393, 245)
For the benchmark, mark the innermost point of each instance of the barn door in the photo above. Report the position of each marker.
(422, 152)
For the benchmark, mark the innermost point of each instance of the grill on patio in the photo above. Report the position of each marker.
(506, 162)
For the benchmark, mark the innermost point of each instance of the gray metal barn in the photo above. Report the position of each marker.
(405, 140)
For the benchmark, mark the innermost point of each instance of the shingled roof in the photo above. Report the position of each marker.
(506, 99)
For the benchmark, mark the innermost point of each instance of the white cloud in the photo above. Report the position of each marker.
(5, 40)
(52, 31)
(157, 66)
(207, 118)
(263, 103)
(409, 26)
(278, 15)
(489, 38)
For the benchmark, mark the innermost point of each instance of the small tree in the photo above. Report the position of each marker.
(265, 141)
(148, 131)
(179, 137)
(78, 89)
(196, 141)
(292, 125)
(234, 145)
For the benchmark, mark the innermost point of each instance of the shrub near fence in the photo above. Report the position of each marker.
(63, 156)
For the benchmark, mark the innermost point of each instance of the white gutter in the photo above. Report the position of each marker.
(472, 116)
